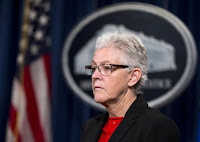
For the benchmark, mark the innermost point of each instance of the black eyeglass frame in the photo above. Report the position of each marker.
(112, 65)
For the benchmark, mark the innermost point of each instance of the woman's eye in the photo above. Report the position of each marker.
(107, 68)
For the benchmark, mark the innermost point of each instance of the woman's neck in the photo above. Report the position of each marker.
(120, 108)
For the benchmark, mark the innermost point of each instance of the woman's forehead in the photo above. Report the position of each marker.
(108, 54)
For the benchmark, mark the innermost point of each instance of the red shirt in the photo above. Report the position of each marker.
(109, 128)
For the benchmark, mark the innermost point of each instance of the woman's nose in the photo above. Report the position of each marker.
(96, 74)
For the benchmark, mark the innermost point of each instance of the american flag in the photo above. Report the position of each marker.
(30, 109)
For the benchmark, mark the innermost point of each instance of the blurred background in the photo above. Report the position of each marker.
(36, 103)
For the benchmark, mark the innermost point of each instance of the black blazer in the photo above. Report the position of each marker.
(140, 124)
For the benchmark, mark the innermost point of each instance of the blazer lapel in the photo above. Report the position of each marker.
(98, 129)
(130, 119)
(122, 129)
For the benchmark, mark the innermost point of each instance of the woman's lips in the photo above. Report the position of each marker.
(97, 87)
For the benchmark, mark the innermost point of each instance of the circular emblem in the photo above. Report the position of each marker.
(171, 50)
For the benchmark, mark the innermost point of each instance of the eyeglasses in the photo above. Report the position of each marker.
(104, 69)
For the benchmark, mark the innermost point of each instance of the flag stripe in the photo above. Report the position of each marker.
(15, 111)
(40, 85)
(9, 135)
(25, 130)
(19, 103)
(12, 117)
(46, 58)
(46, 64)
(13, 124)
(32, 108)
(47, 118)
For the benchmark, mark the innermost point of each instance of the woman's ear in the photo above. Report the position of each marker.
(134, 76)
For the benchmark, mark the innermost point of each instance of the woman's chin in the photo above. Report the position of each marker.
(99, 99)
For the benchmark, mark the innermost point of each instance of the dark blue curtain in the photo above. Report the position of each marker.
(68, 112)
(10, 18)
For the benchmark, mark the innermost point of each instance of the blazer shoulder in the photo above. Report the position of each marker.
(161, 126)
(159, 123)
(155, 115)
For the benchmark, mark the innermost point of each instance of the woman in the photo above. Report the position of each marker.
(118, 70)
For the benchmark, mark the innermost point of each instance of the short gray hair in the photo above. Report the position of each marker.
(133, 48)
